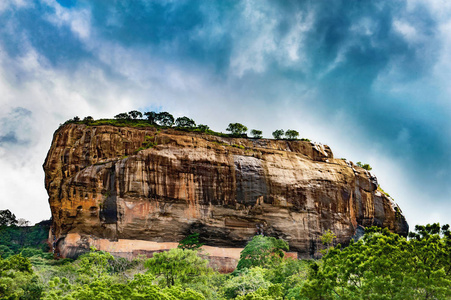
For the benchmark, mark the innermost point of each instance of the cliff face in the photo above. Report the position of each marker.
(109, 184)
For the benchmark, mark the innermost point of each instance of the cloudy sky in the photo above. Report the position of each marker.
(372, 79)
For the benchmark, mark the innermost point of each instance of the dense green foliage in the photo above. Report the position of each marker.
(177, 266)
(14, 238)
(381, 265)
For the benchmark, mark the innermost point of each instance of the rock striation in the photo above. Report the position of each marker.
(130, 190)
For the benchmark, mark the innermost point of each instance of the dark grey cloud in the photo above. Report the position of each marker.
(9, 138)
(14, 128)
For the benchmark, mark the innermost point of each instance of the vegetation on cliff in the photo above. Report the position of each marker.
(135, 118)
(381, 265)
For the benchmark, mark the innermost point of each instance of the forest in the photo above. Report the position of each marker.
(380, 265)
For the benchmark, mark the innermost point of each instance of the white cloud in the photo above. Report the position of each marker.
(406, 29)
(12, 4)
(79, 21)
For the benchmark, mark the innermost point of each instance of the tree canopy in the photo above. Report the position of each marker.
(277, 134)
(185, 122)
(256, 134)
(134, 114)
(291, 134)
(236, 129)
(177, 266)
(151, 115)
(164, 119)
(383, 265)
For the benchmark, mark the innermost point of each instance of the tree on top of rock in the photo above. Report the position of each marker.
(237, 129)
(256, 134)
(291, 134)
(134, 114)
(151, 115)
(185, 122)
(277, 134)
(164, 119)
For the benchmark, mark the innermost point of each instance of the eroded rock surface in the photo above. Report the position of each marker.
(159, 185)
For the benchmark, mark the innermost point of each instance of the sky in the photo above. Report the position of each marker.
(371, 79)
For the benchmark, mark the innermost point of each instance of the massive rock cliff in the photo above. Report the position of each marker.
(129, 190)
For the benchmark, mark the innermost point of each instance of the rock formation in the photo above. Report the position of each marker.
(135, 189)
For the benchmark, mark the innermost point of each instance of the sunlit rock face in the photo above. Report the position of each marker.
(159, 185)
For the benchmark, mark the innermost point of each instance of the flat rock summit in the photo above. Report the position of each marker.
(137, 190)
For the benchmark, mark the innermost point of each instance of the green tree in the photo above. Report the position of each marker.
(290, 274)
(291, 134)
(185, 122)
(277, 134)
(383, 265)
(431, 259)
(164, 119)
(236, 129)
(134, 114)
(262, 251)
(256, 134)
(177, 266)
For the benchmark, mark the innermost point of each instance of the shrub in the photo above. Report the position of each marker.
(364, 166)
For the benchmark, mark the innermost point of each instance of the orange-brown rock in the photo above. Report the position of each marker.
(156, 186)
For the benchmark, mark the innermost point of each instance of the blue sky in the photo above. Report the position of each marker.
(369, 78)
